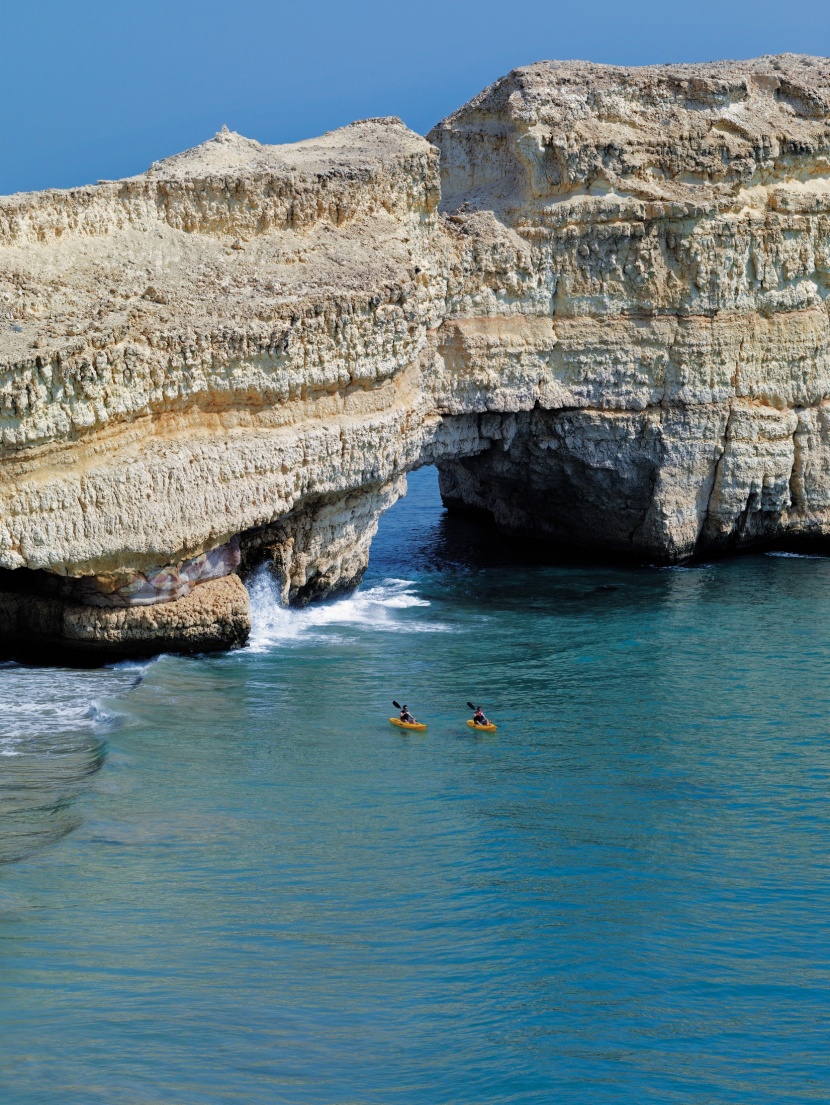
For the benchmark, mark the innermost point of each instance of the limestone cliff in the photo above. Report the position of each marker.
(596, 298)
(655, 265)
(204, 350)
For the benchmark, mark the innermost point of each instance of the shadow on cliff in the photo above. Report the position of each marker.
(466, 551)
(420, 535)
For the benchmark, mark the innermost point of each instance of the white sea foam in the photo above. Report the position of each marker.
(797, 555)
(374, 608)
(37, 703)
(50, 743)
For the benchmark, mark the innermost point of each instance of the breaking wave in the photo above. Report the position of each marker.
(378, 607)
(39, 705)
(52, 724)
(798, 555)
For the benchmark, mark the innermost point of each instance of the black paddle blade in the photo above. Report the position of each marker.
(472, 707)
(397, 705)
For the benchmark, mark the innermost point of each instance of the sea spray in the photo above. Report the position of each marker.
(277, 896)
(377, 607)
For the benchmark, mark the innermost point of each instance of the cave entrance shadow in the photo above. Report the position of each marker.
(420, 533)
(467, 554)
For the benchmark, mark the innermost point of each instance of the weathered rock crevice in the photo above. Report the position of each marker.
(596, 298)
(321, 548)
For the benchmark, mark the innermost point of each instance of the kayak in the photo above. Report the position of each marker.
(483, 728)
(417, 725)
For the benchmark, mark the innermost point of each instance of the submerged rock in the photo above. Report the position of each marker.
(596, 298)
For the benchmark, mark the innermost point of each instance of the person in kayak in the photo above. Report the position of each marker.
(479, 718)
(406, 717)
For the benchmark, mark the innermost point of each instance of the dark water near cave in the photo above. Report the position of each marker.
(229, 880)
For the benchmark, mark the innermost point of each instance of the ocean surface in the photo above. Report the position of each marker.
(230, 880)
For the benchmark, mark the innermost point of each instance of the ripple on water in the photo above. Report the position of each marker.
(52, 722)
(622, 896)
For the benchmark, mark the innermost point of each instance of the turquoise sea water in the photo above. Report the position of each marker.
(230, 880)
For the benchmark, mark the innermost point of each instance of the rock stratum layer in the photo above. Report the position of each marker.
(596, 297)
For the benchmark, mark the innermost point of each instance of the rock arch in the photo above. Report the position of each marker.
(597, 298)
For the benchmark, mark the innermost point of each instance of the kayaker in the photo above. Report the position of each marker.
(479, 718)
(406, 717)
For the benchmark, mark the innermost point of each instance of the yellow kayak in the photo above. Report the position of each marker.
(483, 728)
(417, 725)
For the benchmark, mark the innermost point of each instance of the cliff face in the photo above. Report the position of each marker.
(201, 351)
(597, 298)
(670, 226)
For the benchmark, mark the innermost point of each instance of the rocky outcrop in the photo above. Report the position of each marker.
(225, 342)
(321, 549)
(596, 298)
(214, 615)
(663, 235)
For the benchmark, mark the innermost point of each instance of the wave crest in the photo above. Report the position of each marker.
(376, 608)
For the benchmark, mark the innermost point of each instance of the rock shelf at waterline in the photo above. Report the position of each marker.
(596, 297)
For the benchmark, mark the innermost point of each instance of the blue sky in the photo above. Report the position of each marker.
(101, 89)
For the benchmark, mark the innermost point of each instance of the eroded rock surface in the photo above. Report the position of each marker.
(663, 235)
(596, 298)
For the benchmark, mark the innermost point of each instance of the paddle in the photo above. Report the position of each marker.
(397, 705)
(473, 708)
